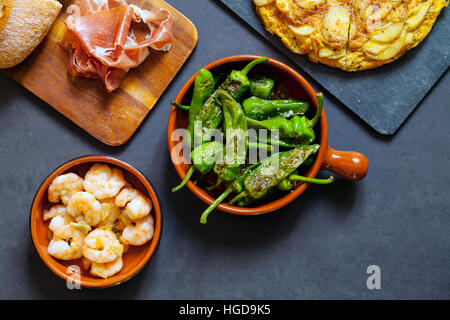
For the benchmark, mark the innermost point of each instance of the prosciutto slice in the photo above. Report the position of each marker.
(105, 44)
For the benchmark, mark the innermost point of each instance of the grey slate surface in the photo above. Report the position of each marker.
(383, 97)
(317, 247)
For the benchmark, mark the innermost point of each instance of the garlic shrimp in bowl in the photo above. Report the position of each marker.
(134, 257)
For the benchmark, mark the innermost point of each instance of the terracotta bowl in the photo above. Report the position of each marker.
(133, 260)
(352, 166)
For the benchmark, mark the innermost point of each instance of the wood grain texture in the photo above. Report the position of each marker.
(112, 118)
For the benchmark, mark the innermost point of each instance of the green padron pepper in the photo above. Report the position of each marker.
(238, 82)
(211, 116)
(234, 186)
(273, 170)
(262, 109)
(235, 127)
(247, 201)
(299, 129)
(238, 184)
(290, 144)
(261, 86)
(230, 168)
(204, 158)
(203, 89)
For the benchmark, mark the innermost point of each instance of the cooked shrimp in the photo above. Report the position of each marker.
(103, 182)
(67, 240)
(60, 225)
(63, 187)
(66, 249)
(137, 205)
(102, 246)
(139, 232)
(110, 213)
(106, 270)
(64, 228)
(84, 207)
(54, 211)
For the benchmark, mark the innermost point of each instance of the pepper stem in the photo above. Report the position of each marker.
(295, 177)
(248, 67)
(241, 195)
(316, 118)
(186, 179)
(219, 181)
(222, 197)
(180, 106)
(254, 123)
(282, 143)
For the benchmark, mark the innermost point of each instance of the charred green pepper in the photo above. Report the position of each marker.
(238, 184)
(261, 86)
(235, 127)
(260, 145)
(298, 128)
(230, 167)
(238, 82)
(262, 109)
(282, 143)
(242, 200)
(204, 158)
(273, 170)
(235, 186)
(203, 89)
(211, 116)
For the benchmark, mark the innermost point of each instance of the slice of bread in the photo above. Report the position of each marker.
(23, 25)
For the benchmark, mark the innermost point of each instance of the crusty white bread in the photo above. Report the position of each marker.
(25, 24)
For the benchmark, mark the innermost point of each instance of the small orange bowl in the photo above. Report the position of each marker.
(133, 260)
(350, 165)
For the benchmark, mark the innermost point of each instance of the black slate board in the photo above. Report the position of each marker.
(383, 97)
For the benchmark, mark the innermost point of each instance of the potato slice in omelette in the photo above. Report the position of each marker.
(383, 31)
(317, 28)
(351, 35)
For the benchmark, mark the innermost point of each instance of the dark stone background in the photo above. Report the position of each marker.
(318, 247)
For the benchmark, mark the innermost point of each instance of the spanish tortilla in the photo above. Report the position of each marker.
(5, 8)
(351, 35)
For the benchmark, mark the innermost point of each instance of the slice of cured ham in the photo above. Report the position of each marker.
(105, 45)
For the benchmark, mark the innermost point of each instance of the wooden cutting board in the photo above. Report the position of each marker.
(110, 117)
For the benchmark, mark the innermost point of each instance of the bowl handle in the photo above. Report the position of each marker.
(350, 165)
